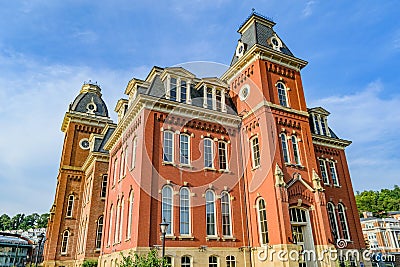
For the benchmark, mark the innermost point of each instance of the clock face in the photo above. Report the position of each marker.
(240, 49)
(84, 143)
(244, 92)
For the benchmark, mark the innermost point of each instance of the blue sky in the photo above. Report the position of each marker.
(49, 48)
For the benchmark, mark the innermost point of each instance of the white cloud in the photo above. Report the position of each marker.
(308, 9)
(372, 123)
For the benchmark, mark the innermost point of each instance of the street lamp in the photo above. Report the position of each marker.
(40, 239)
(163, 229)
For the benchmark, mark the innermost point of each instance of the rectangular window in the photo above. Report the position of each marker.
(323, 126)
(324, 174)
(183, 91)
(209, 98)
(184, 149)
(222, 155)
(168, 147)
(316, 124)
(115, 171)
(208, 153)
(122, 167)
(334, 176)
(255, 149)
(104, 186)
(218, 98)
(172, 92)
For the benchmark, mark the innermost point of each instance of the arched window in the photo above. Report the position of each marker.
(222, 155)
(70, 205)
(115, 171)
(130, 212)
(117, 216)
(122, 165)
(184, 211)
(343, 221)
(168, 146)
(296, 152)
(121, 219)
(210, 213)
(282, 94)
(226, 214)
(208, 153)
(285, 151)
(255, 152)
(185, 261)
(168, 261)
(104, 186)
(167, 204)
(110, 225)
(99, 232)
(184, 149)
(213, 261)
(64, 242)
(230, 261)
(324, 173)
(332, 220)
(262, 221)
(334, 176)
(134, 146)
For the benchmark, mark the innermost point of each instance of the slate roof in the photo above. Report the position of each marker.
(259, 33)
(99, 143)
(84, 98)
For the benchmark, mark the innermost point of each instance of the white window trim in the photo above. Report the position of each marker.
(230, 214)
(65, 252)
(297, 149)
(253, 152)
(259, 220)
(189, 150)
(171, 225)
(287, 149)
(212, 153)
(334, 218)
(325, 169)
(286, 94)
(172, 145)
(215, 214)
(190, 213)
(336, 173)
(130, 213)
(72, 206)
(226, 156)
(109, 238)
(134, 151)
(345, 220)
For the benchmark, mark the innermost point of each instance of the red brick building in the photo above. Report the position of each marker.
(237, 166)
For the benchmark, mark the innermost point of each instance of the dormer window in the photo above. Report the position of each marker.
(214, 98)
(172, 92)
(183, 91)
(178, 89)
(320, 124)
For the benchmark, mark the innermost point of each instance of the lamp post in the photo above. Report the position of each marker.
(40, 239)
(163, 229)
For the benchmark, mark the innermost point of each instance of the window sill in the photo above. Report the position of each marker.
(212, 237)
(229, 238)
(128, 239)
(255, 168)
(186, 237)
(64, 254)
(102, 198)
(172, 237)
(297, 166)
(337, 186)
(209, 169)
(97, 250)
(188, 166)
(224, 170)
(168, 163)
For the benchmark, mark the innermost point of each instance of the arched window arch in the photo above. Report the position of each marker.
(226, 214)
(134, 150)
(122, 165)
(184, 149)
(185, 261)
(184, 215)
(121, 218)
(296, 152)
(99, 232)
(262, 221)
(210, 213)
(255, 151)
(110, 225)
(130, 212)
(343, 221)
(208, 153)
(64, 242)
(167, 204)
(282, 94)
(230, 261)
(285, 151)
(213, 261)
(168, 146)
(117, 216)
(168, 261)
(70, 205)
(332, 220)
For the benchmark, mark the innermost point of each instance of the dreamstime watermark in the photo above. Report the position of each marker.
(331, 254)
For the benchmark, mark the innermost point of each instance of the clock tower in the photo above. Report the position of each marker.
(87, 116)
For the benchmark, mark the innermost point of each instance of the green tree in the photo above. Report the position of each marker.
(16, 221)
(379, 202)
(134, 260)
(42, 221)
(89, 263)
(5, 222)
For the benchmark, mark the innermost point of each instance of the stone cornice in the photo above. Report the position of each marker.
(264, 53)
(277, 107)
(94, 157)
(167, 106)
(330, 142)
(86, 119)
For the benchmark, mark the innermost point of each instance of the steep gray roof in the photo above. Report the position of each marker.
(90, 94)
(99, 143)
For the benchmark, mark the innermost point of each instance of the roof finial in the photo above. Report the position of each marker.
(253, 9)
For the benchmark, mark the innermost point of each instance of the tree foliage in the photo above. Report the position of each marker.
(89, 263)
(151, 259)
(379, 202)
(23, 222)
